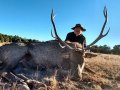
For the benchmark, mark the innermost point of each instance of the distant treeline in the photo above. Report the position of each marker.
(10, 38)
(106, 49)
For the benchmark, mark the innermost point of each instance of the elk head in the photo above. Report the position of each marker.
(77, 58)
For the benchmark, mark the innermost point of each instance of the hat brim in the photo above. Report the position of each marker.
(83, 29)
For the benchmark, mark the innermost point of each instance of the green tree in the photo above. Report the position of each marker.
(94, 48)
(1, 38)
(104, 49)
(101, 49)
(116, 49)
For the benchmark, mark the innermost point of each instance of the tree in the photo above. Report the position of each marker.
(104, 49)
(1, 38)
(94, 48)
(101, 49)
(116, 49)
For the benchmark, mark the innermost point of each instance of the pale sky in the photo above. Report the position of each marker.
(31, 18)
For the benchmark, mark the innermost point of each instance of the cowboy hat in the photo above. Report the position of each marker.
(78, 26)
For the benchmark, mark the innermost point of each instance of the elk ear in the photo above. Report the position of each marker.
(90, 55)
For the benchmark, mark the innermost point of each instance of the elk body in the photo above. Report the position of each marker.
(10, 55)
(49, 54)
(43, 54)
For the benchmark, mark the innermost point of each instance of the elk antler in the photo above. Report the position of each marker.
(53, 35)
(56, 35)
(101, 35)
(56, 39)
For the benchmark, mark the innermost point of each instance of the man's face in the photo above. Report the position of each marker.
(78, 31)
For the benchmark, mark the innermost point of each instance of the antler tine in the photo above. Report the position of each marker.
(53, 35)
(105, 11)
(106, 18)
(101, 35)
(106, 32)
(52, 19)
(55, 31)
(56, 39)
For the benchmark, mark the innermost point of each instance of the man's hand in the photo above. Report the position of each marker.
(76, 44)
(68, 42)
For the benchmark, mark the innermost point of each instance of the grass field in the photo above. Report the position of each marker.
(107, 71)
(1, 44)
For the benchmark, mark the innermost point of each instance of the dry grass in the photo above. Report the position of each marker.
(1, 44)
(107, 70)
(104, 64)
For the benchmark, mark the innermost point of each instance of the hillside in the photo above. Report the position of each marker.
(10, 38)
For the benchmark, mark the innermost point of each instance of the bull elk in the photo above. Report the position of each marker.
(48, 54)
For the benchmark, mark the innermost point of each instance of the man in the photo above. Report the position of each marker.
(76, 37)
